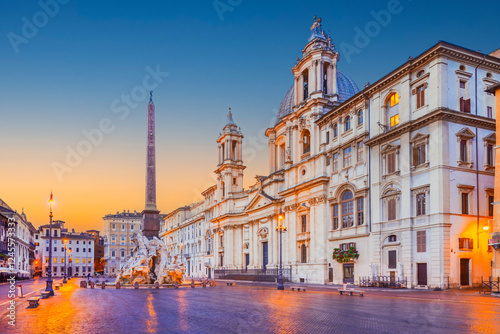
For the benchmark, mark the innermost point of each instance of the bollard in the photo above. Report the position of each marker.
(20, 291)
(176, 285)
(192, 283)
(157, 285)
(136, 285)
(103, 285)
(117, 285)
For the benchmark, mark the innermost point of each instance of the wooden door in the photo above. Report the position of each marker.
(464, 271)
(422, 273)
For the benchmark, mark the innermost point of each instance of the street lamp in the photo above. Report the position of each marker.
(64, 280)
(48, 286)
(70, 259)
(281, 228)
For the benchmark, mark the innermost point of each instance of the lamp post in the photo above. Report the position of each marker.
(70, 259)
(281, 228)
(48, 286)
(64, 280)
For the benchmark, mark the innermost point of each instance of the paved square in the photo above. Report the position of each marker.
(255, 309)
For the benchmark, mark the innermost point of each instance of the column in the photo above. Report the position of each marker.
(320, 76)
(312, 76)
(251, 244)
(333, 69)
(271, 239)
(230, 248)
(296, 89)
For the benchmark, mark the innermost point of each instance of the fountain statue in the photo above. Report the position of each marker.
(151, 263)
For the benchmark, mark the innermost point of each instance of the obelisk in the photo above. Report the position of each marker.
(150, 214)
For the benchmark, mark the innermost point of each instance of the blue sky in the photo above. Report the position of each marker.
(65, 78)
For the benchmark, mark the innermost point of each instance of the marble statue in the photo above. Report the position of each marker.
(151, 263)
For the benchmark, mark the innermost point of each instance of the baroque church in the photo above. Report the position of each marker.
(394, 180)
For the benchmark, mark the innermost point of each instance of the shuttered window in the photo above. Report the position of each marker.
(392, 259)
(464, 105)
(421, 96)
(465, 203)
(421, 242)
(391, 162)
(465, 243)
(391, 209)
(418, 154)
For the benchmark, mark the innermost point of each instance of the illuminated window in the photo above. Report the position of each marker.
(78, 260)
(83, 260)
(55, 260)
(394, 120)
(394, 100)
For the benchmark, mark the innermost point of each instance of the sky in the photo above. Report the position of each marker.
(74, 77)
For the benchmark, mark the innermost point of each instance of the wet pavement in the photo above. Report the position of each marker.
(254, 309)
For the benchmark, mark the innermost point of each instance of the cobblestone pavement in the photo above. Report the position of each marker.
(254, 309)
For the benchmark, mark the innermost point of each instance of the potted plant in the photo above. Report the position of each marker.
(343, 256)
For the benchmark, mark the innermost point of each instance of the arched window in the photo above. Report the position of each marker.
(347, 209)
(348, 123)
(306, 142)
(392, 105)
(305, 78)
(303, 253)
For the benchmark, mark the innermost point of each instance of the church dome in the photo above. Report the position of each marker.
(345, 88)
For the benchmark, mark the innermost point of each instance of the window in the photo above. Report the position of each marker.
(113, 226)
(418, 154)
(420, 96)
(391, 209)
(305, 78)
(46, 249)
(335, 216)
(335, 166)
(462, 84)
(347, 124)
(392, 238)
(335, 131)
(465, 243)
(464, 105)
(421, 242)
(328, 160)
(347, 209)
(394, 120)
(304, 223)
(327, 137)
(465, 203)
(303, 253)
(55, 249)
(347, 156)
(420, 204)
(306, 142)
(360, 117)
(360, 209)
(55, 260)
(90, 250)
(491, 199)
(132, 227)
(391, 162)
(360, 151)
(392, 259)
(393, 100)
(78, 249)
(55, 233)
(234, 181)
(36, 236)
(489, 155)
(489, 112)
(122, 254)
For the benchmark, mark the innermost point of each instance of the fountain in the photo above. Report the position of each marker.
(151, 263)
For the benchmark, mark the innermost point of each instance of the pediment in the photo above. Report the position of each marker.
(466, 132)
(389, 148)
(418, 137)
(260, 199)
(492, 137)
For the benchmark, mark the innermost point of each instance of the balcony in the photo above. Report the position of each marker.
(303, 236)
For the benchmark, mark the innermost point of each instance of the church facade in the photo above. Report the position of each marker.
(396, 179)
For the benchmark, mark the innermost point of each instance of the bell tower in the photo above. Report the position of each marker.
(315, 74)
(230, 167)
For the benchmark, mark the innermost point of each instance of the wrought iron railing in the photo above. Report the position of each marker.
(383, 282)
(264, 275)
(490, 285)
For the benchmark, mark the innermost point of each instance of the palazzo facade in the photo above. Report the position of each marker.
(402, 172)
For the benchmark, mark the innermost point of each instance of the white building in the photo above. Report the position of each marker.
(400, 172)
(71, 249)
(24, 246)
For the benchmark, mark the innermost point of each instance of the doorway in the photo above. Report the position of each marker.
(348, 272)
(264, 255)
(464, 271)
(247, 261)
(421, 273)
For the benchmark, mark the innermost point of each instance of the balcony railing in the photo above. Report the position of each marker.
(263, 275)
